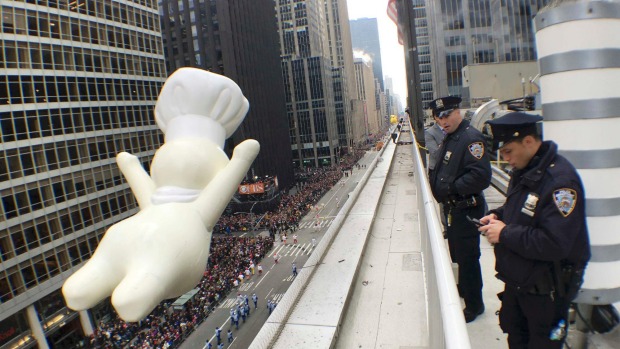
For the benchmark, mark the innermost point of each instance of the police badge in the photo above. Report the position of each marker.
(530, 204)
(565, 199)
(476, 149)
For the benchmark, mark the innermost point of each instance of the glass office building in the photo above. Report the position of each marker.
(341, 53)
(78, 84)
(308, 82)
(466, 32)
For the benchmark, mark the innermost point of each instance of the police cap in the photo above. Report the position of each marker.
(443, 106)
(513, 126)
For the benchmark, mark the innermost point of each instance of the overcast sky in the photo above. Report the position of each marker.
(392, 57)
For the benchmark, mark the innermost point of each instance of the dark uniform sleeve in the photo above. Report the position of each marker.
(476, 169)
(556, 225)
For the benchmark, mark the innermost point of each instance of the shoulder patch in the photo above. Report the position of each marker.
(476, 149)
(565, 200)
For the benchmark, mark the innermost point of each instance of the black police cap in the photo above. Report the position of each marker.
(442, 104)
(514, 126)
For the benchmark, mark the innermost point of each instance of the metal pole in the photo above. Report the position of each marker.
(406, 20)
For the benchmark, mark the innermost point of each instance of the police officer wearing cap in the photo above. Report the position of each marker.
(540, 235)
(462, 171)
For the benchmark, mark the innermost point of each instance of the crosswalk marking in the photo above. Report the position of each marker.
(246, 286)
(293, 250)
(228, 303)
(311, 223)
(277, 297)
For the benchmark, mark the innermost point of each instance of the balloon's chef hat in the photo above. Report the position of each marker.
(195, 103)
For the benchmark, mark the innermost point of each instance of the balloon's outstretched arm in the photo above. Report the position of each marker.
(139, 181)
(214, 198)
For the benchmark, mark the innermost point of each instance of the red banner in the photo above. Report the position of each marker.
(254, 188)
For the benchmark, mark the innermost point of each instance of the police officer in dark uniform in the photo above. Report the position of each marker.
(540, 235)
(462, 171)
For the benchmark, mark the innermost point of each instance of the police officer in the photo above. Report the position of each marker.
(540, 235)
(462, 171)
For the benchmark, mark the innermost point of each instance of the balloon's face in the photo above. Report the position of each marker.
(190, 164)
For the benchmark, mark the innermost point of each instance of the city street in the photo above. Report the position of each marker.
(277, 278)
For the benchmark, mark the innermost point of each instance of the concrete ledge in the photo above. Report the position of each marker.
(309, 314)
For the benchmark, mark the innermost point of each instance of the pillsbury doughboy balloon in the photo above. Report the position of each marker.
(161, 252)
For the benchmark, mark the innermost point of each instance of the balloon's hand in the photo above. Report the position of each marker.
(246, 151)
(216, 196)
(159, 253)
(140, 182)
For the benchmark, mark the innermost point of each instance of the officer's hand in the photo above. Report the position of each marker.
(486, 219)
(492, 230)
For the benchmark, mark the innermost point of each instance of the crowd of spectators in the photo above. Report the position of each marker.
(167, 328)
(229, 256)
(312, 184)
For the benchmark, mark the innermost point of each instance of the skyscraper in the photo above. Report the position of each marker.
(78, 84)
(341, 54)
(365, 37)
(366, 92)
(238, 39)
(308, 81)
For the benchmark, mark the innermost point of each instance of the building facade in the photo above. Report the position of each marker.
(341, 54)
(466, 32)
(78, 85)
(308, 72)
(366, 92)
(238, 39)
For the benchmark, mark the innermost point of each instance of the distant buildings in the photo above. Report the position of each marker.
(365, 37)
(237, 39)
(308, 31)
(366, 92)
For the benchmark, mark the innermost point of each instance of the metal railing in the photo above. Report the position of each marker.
(448, 330)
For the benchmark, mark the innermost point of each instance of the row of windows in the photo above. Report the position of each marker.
(31, 124)
(24, 89)
(33, 55)
(110, 10)
(30, 273)
(32, 234)
(37, 23)
(42, 158)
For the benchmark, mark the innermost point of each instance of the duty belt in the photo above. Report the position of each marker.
(470, 201)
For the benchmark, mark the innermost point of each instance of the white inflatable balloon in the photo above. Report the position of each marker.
(162, 251)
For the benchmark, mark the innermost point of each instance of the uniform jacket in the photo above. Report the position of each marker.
(433, 136)
(545, 220)
(463, 166)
